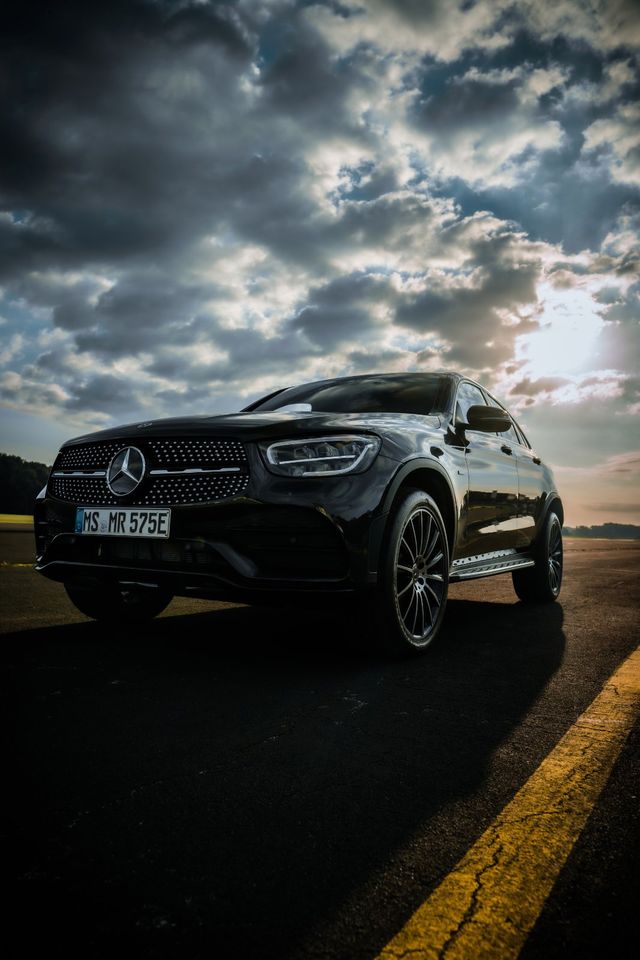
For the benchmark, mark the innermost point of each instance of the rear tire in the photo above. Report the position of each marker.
(119, 604)
(541, 584)
(411, 597)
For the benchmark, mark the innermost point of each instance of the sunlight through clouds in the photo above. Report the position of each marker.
(570, 323)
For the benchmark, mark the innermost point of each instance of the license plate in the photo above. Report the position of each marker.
(123, 523)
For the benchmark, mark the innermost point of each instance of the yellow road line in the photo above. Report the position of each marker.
(489, 902)
(16, 518)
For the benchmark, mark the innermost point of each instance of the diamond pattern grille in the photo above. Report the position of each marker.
(160, 454)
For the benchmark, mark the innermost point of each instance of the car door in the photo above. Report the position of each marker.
(531, 479)
(532, 487)
(492, 503)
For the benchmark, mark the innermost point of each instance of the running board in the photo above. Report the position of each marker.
(489, 564)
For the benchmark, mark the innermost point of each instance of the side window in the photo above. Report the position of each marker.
(468, 396)
(510, 434)
(514, 434)
(521, 436)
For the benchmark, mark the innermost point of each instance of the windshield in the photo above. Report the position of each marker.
(421, 393)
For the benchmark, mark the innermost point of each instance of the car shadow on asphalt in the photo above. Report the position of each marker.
(254, 750)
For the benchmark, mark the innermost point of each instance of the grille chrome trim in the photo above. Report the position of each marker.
(191, 471)
(79, 473)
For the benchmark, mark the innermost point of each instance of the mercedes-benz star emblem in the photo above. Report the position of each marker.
(126, 471)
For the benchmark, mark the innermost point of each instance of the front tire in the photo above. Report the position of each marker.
(411, 598)
(119, 604)
(541, 584)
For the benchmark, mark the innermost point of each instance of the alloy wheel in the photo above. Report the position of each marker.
(420, 575)
(555, 557)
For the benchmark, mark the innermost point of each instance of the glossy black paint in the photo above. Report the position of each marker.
(313, 534)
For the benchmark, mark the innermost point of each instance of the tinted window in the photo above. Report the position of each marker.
(408, 393)
(468, 396)
(510, 434)
(521, 437)
(513, 434)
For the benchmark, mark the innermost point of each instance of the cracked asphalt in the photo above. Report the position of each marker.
(248, 781)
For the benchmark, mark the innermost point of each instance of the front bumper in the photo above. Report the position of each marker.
(281, 535)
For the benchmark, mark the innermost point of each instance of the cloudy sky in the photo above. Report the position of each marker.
(201, 202)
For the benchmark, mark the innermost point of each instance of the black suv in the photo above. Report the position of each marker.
(387, 487)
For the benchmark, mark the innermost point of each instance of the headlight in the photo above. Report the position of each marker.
(321, 456)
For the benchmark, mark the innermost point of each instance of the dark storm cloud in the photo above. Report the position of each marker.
(469, 102)
(136, 134)
(468, 314)
(91, 140)
(395, 221)
(99, 392)
(139, 308)
(531, 388)
(300, 81)
(364, 361)
(341, 311)
(133, 131)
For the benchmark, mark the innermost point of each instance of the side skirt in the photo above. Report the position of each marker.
(489, 564)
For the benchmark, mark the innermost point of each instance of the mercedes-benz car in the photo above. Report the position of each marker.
(381, 489)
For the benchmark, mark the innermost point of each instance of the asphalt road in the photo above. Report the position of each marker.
(244, 782)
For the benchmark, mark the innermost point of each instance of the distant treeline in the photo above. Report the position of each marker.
(20, 482)
(609, 531)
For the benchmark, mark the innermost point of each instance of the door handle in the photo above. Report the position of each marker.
(506, 449)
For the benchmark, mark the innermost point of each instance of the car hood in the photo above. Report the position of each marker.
(264, 426)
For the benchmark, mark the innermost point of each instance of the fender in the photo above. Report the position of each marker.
(552, 497)
(545, 505)
(402, 474)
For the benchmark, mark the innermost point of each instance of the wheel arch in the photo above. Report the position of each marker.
(553, 503)
(430, 477)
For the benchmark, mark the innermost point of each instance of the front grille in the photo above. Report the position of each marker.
(192, 489)
(90, 490)
(180, 453)
(168, 454)
(226, 457)
(87, 456)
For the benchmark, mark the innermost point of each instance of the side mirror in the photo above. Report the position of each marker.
(488, 419)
